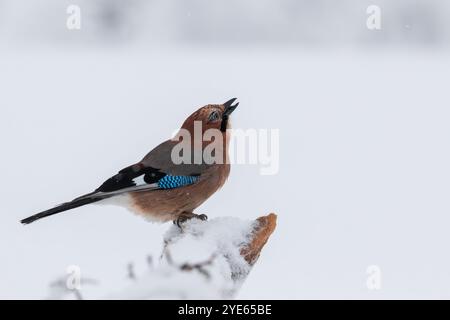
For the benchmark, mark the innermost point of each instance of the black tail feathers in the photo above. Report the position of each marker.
(78, 202)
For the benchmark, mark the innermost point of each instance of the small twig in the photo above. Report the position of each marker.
(168, 257)
(61, 283)
(131, 274)
(200, 267)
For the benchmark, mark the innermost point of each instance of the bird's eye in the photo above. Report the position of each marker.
(214, 116)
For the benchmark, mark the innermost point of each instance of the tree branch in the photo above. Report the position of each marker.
(202, 260)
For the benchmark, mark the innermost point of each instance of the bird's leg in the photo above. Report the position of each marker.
(185, 216)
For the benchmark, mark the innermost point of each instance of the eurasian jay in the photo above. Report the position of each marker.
(160, 188)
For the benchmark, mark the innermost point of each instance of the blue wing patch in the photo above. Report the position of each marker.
(170, 182)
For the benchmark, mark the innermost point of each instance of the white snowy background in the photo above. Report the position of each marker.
(364, 129)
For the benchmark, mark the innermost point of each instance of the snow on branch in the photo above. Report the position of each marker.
(202, 260)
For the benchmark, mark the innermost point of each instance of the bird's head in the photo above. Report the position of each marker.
(212, 116)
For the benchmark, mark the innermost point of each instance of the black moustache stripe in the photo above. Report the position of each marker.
(223, 125)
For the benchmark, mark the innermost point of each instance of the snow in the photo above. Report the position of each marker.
(363, 174)
(215, 245)
(201, 260)
(221, 236)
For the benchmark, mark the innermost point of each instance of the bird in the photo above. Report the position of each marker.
(162, 188)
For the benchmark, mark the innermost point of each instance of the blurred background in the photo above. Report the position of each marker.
(193, 23)
(363, 117)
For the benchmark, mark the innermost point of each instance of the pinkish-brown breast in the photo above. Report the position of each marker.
(168, 204)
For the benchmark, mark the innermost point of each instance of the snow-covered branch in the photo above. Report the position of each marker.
(202, 260)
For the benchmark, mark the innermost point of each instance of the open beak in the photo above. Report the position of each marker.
(229, 107)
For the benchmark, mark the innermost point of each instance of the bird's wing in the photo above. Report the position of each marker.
(155, 172)
(161, 157)
(135, 178)
(140, 177)
(131, 177)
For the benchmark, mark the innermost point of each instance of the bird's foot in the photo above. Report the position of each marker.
(188, 216)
